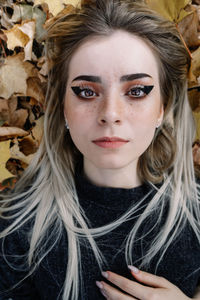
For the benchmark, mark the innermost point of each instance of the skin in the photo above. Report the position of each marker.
(111, 112)
(108, 108)
(157, 288)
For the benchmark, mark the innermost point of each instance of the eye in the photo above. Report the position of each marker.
(140, 91)
(83, 92)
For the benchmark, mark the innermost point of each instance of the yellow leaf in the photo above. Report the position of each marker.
(17, 154)
(195, 67)
(4, 156)
(16, 38)
(13, 75)
(28, 28)
(197, 120)
(37, 131)
(56, 6)
(10, 132)
(172, 10)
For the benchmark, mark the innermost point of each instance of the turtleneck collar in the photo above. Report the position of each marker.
(108, 197)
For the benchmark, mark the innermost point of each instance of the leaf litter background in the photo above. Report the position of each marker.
(23, 73)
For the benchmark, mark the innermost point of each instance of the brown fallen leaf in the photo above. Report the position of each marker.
(35, 89)
(194, 99)
(196, 152)
(56, 7)
(194, 71)
(8, 184)
(27, 145)
(17, 154)
(170, 9)
(15, 37)
(197, 120)
(28, 28)
(37, 131)
(196, 2)
(17, 117)
(13, 75)
(10, 132)
(15, 166)
(4, 110)
(5, 20)
(5, 155)
(189, 26)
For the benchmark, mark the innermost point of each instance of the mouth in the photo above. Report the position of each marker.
(110, 142)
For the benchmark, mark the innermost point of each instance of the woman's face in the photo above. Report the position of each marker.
(113, 101)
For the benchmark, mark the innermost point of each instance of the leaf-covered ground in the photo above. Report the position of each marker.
(23, 73)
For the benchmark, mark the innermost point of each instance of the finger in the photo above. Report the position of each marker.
(110, 292)
(150, 279)
(131, 287)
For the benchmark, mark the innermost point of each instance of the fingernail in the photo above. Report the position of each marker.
(99, 284)
(134, 269)
(104, 274)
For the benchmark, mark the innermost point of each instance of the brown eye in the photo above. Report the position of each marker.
(137, 92)
(85, 93)
(140, 91)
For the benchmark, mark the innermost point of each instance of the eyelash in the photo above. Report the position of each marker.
(146, 89)
(79, 89)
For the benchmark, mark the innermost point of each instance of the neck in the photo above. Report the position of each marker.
(125, 177)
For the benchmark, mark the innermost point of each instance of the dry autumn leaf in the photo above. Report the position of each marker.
(5, 155)
(4, 110)
(17, 117)
(170, 9)
(194, 72)
(57, 6)
(197, 120)
(35, 89)
(17, 154)
(15, 37)
(189, 26)
(37, 131)
(10, 132)
(13, 75)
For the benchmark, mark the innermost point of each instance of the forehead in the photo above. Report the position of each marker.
(113, 56)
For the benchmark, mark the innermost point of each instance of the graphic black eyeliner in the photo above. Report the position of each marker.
(76, 89)
(147, 89)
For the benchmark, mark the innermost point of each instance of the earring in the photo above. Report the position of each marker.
(66, 124)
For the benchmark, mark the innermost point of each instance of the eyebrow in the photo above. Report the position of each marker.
(97, 79)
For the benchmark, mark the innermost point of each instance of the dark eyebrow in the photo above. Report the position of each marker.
(88, 78)
(134, 76)
(123, 78)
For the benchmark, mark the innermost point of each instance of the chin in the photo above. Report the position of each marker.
(111, 163)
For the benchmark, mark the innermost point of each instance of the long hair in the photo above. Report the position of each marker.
(50, 197)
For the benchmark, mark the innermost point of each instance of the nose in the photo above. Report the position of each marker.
(111, 111)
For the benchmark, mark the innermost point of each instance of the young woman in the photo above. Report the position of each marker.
(115, 189)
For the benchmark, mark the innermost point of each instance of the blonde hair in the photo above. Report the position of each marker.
(50, 197)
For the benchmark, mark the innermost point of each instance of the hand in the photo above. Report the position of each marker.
(158, 288)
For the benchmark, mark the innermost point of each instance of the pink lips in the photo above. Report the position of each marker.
(110, 142)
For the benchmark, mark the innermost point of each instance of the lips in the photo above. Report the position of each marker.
(110, 139)
(110, 142)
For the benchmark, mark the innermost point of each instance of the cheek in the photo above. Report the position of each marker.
(145, 117)
(79, 113)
